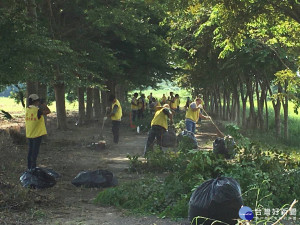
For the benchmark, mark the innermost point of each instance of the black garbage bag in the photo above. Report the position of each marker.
(190, 136)
(97, 178)
(169, 138)
(225, 146)
(218, 199)
(37, 178)
(51, 172)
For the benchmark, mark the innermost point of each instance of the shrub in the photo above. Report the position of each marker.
(265, 176)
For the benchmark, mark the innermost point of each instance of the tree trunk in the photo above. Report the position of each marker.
(285, 103)
(31, 88)
(104, 101)
(260, 98)
(206, 99)
(220, 104)
(216, 102)
(267, 114)
(81, 106)
(224, 103)
(252, 117)
(42, 93)
(228, 106)
(238, 113)
(89, 104)
(233, 107)
(276, 105)
(277, 118)
(120, 93)
(59, 89)
(97, 106)
(211, 103)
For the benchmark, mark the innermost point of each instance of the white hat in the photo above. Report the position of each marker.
(166, 106)
(34, 97)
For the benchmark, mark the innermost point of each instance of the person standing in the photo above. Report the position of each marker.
(193, 114)
(115, 116)
(188, 102)
(35, 128)
(150, 98)
(163, 99)
(159, 126)
(171, 101)
(134, 106)
(177, 102)
(141, 106)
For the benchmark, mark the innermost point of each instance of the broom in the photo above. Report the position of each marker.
(220, 133)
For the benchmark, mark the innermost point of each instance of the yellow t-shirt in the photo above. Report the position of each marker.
(135, 101)
(35, 127)
(118, 114)
(192, 115)
(160, 119)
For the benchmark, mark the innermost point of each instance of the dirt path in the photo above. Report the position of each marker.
(67, 152)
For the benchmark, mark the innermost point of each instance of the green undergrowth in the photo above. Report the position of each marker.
(269, 178)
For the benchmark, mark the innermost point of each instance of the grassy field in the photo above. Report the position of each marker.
(9, 105)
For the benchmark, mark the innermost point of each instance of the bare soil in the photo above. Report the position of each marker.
(68, 153)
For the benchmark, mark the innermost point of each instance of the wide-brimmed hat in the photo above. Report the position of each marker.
(166, 106)
(34, 97)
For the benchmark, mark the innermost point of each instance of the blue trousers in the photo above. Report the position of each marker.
(190, 126)
(34, 148)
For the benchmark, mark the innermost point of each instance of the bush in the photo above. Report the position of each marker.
(263, 174)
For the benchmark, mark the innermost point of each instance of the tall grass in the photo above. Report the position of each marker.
(269, 136)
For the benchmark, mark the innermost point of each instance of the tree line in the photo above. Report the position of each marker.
(239, 54)
(235, 53)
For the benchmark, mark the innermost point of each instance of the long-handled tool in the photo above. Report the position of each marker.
(219, 132)
(103, 122)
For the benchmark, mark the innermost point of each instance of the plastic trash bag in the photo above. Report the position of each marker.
(190, 136)
(39, 178)
(97, 178)
(217, 199)
(225, 146)
(51, 172)
(169, 138)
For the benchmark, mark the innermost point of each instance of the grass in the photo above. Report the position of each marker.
(270, 138)
(9, 105)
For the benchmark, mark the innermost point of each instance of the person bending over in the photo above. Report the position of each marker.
(159, 126)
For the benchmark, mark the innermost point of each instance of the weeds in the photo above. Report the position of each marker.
(262, 173)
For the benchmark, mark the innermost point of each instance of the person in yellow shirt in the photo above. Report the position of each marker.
(177, 102)
(134, 106)
(171, 101)
(163, 99)
(193, 114)
(159, 126)
(35, 128)
(115, 116)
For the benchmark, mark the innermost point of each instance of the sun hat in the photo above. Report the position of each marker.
(34, 97)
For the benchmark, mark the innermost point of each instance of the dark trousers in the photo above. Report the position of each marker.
(155, 132)
(34, 148)
(140, 113)
(134, 114)
(115, 130)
